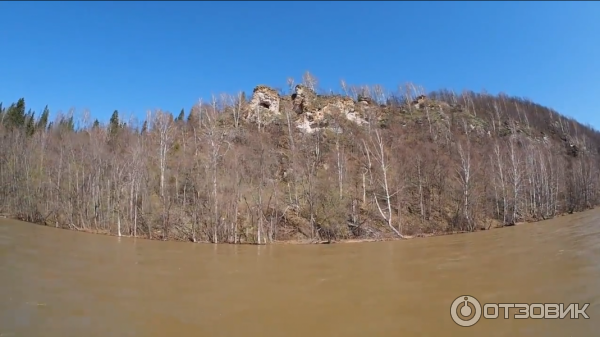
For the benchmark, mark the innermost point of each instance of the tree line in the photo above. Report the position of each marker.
(448, 163)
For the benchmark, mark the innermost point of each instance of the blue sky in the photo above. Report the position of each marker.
(135, 56)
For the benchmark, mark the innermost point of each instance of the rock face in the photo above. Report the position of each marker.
(302, 99)
(264, 105)
(364, 100)
(419, 102)
(314, 111)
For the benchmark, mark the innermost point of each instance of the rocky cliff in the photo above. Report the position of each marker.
(310, 112)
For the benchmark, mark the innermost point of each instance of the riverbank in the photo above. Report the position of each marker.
(301, 242)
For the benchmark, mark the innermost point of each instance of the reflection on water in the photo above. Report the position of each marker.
(59, 283)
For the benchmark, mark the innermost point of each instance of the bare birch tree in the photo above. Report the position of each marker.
(386, 210)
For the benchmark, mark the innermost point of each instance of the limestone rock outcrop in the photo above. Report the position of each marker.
(303, 99)
(419, 102)
(364, 100)
(314, 111)
(263, 107)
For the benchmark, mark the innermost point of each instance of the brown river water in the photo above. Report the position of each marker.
(59, 283)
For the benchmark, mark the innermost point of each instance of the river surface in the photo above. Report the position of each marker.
(59, 283)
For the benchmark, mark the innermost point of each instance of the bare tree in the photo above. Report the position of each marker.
(310, 81)
(465, 177)
(237, 103)
(187, 179)
(386, 210)
(500, 176)
(516, 174)
(218, 147)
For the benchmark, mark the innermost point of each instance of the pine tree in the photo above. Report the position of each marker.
(30, 124)
(15, 115)
(67, 124)
(42, 123)
(114, 125)
(191, 117)
(181, 116)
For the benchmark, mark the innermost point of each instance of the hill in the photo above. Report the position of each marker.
(302, 166)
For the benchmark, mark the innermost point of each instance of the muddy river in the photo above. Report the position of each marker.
(59, 283)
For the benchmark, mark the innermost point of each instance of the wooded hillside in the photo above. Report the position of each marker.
(306, 166)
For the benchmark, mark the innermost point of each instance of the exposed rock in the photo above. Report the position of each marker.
(264, 105)
(419, 102)
(315, 110)
(365, 100)
(303, 99)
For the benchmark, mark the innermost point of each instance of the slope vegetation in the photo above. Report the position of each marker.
(302, 166)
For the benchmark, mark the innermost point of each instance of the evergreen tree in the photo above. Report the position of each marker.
(181, 116)
(114, 125)
(42, 123)
(191, 118)
(66, 124)
(30, 124)
(15, 115)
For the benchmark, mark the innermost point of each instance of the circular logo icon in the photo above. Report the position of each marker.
(465, 310)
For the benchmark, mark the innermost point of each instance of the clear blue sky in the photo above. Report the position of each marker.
(134, 56)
